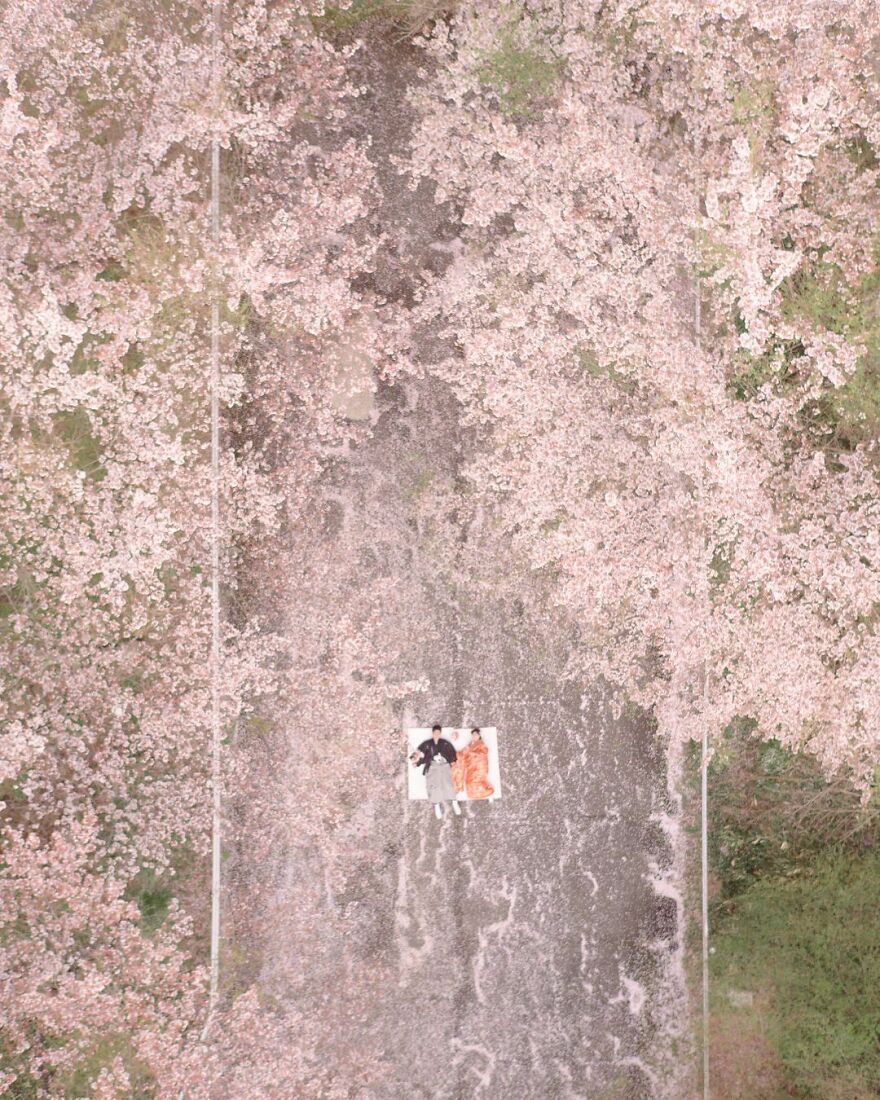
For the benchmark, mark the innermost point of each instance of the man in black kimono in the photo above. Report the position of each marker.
(440, 753)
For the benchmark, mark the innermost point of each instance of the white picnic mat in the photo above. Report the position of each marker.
(459, 736)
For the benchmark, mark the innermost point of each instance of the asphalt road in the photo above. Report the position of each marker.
(520, 951)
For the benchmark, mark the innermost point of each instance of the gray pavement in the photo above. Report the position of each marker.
(521, 945)
(518, 952)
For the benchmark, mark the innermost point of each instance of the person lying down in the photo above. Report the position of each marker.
(470, 772)
(448, 773)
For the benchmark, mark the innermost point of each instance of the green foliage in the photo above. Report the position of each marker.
(795, 881)
(410, 16)
(112, 273)
(589, 364)
(255, 727)
(74, 427)
(752, 103)
(712, 254)
(844, 416)
(518, 72)
(820, 294)
(753, 109)
(854, 410)
(776, 366)
(153, 896)
(336, 19)
(18, 597)
(103, 1052)
(850, 414)
(82, 359)
(24, 1087)
(811, 942)
(773, 810)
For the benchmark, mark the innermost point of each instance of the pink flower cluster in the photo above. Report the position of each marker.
(687, 515)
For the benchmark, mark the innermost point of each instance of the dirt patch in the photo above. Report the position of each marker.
(744, 1065)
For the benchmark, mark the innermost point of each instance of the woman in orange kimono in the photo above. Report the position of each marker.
(470, 772)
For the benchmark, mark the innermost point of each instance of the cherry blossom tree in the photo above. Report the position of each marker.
(706, 510)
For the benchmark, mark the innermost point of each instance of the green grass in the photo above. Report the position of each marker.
(590, 365)
(77, 1083)
(103, 1051)
(753, 109)
(752, 103)
(518, 72)
(794, 889)
(24, 1087)
(153, 892)
(74, 428)
(821, 296)
(773, 811)
(777, 366)
(811, 943)
(338, 19)
(153, 896)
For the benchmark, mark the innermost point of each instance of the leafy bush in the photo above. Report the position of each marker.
(771, 811)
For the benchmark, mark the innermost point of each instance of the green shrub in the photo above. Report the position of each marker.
(771, 811)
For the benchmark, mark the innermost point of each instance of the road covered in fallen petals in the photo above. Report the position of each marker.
(531, 947)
